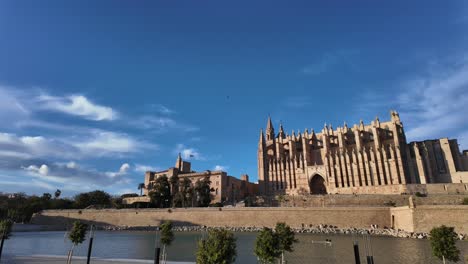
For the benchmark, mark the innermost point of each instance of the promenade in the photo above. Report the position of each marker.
(44, 259)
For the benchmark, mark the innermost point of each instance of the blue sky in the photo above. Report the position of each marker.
(94, 93)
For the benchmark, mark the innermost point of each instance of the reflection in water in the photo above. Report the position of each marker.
(140, 245)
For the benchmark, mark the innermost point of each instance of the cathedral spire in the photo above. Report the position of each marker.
(270, 130)
(361, 125)
(262, 137)
(281, 131)
(269, 124)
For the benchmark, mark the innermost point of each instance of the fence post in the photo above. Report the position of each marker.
(1, 245)
(90, 247)
(156, 255)
(356, 253)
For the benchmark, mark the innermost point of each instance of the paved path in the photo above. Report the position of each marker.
(41, 259)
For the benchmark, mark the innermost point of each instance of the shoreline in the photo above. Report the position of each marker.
(319, 230)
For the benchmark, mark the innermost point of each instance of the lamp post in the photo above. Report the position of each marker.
(357, 259)
(90, 247)
(1, 245)
(157, 249)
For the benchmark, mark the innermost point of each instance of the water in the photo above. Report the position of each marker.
(140, 245)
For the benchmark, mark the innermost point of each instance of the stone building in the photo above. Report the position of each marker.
(225, 188)
(372, 158)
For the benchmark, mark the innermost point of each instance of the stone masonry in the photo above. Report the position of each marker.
(372, 158)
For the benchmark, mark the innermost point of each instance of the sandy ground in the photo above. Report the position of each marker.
(39, 259)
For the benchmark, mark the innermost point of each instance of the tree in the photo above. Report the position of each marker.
(271, 244)
(161, 193)
(128, 195)
(5, 228)
(286, 238)
(174, 180)
(443, 243)
(179, 199)
(266, 246)
(96, 198)
(465, 201)
(57, 193)
(5, 231)
(203, 192)
(77, 236)
(46, 196)
(218, 248)
(187, 192)
(167, 236)
(141, 186)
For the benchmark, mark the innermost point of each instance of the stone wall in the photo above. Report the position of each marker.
(368, 200)
(432, 188)
(296, 217)
(426, 217)
(402, 218)
(418, 219)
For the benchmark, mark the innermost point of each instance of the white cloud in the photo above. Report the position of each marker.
(26, 147)
(220, 168)
(188, 153)
(12, 107)
(297, 101)
(16, 150)
(71, 165)
(431, 104)
(77, 105)
(57, 173)
(434, 104)
(105, 143)
(162, 109)
(330, 60)
(145, 168)
(124, 168)
(44, 185)
(161, 124)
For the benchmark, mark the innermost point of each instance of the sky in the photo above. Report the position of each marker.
(94, 93)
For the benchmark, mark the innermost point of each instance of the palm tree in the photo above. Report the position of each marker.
(57, 193)
(141, 186)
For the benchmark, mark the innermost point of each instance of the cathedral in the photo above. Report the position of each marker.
(362, 159)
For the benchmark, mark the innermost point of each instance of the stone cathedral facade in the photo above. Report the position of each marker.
(372, 158)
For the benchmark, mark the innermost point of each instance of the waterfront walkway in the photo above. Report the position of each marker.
(43, 259)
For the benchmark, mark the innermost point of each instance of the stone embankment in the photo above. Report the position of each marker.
(320, 229)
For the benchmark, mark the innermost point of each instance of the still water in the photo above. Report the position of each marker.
(140, 245)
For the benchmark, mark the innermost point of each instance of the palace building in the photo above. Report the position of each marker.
(362, 159)
(225, 188)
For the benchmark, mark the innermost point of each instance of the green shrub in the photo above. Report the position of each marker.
(418, 194)
(5, 228)
(271, 244)
(167, 236)
(78, 233)
(390, 203)
(465, 201)
(218, 248)
(443, 243)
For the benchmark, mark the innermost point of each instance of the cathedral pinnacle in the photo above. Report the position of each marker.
(270, 131)
(269, 124)
(281, 131)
